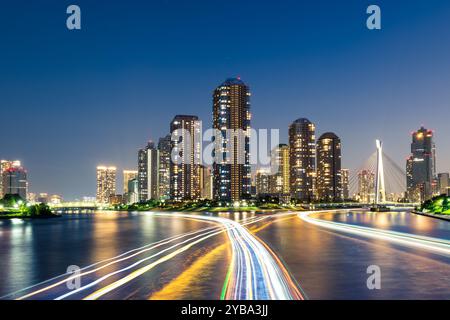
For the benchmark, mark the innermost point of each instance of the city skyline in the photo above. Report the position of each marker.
(386, 90)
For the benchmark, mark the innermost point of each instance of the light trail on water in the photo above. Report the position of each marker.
(255, 272)
(436, 245)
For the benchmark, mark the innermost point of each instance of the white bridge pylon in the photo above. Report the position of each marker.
(380, 188)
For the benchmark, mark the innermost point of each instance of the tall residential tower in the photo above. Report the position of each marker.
(329, 179)
(185, 170)
(231, 120)
(302, 159)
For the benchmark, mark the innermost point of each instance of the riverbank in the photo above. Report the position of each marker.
(445, 217)
(18, 215)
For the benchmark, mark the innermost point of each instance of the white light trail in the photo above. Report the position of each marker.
(436, 245)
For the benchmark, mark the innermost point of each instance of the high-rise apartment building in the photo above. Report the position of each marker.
(366, 186)
(262, 181)
(106, 183)
(231, 120)
(421, 166)
(302, 159)
(164, 166)
(206, 182)
(14, 181)
(127, 176)
(4, 165)
(329, 179)
(148, 172)
(132, 195)
(345, 173)
(279, 180)
(443, 183)
(185, 170)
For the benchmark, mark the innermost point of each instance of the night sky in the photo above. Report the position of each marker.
(71, 100)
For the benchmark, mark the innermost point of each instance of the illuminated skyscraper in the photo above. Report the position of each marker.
(206, 182)
(329, 179)
(345, 173)
(185, 171)
(106, 183)
(302, 155)
(366, 186)
(231, 111)
(279, 181)
(148, 172)
(4, 165)
(133, 193)
(443, 182)
(14, 180)
(127, 176)
(421, 165)
(262, 181)
(164, 166)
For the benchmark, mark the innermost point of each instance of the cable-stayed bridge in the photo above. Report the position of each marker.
(379, 180)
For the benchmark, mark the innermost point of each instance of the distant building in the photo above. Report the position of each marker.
(31, 197)
(148, 173)
(302, 155)
(185, 171)
(127, 176)
(14, 181)
(421, 166)
(116, 199)
(43, 197)
(106, 183)
(329, 179)
(164, 166)
(5, 165)
(279, 180)
(231, 111)
(206, 183)
(345, 173)
(133, 193)
(366, 186)
(262, 182)
(56, 199)
(443, 182)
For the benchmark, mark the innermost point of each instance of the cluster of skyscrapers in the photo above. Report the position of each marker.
(307, 169)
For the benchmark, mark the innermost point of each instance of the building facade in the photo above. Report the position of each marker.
(302, 159)
(421, 166)
(14, 181)
(366, 186)
(279, 181)
(185, 170)
(106, 183)
(206, 182)
(329, 178)
(231, 120)
(148, 173)
(262, 178)
(127, 176)
(5, 165)
(443, 182)
(164, 166)
(345, 173)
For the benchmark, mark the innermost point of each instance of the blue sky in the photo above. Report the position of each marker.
(73, 99)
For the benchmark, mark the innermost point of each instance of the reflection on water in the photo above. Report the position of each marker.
(35, 250)
(396, 220)
(332, 265)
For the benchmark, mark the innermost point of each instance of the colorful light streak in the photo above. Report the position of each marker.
(435, 245)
